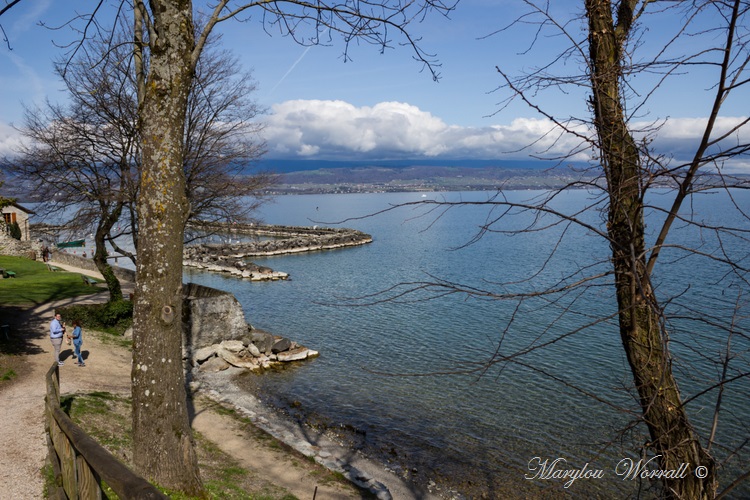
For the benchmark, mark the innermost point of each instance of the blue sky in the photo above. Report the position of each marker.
(377, 105)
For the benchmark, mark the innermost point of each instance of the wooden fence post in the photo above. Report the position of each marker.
(80, 463)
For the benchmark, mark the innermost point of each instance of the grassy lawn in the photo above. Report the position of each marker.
(35, 284)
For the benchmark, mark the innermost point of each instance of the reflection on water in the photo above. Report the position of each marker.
(409, 380)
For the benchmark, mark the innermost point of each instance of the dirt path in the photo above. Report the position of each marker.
(23, 444)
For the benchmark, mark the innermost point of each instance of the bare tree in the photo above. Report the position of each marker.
(608, 55)
(221, 142)
(85, 156)
(81, 157)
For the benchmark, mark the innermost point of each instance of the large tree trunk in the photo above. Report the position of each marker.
(643, 338)
(163, 444)
(106, 222)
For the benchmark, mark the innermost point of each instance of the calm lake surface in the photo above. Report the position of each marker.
(405, 377)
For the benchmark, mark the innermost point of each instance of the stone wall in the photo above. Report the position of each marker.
(287, 240)
(233, 258)
(88, 264)
(11, 246)
(216, 335)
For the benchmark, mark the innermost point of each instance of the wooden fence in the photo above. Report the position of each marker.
(80, 464)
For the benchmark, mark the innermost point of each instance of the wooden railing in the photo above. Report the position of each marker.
(80, 464)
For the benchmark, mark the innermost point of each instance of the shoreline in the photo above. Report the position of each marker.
(232, 258)
(334, 454)
(366, 472)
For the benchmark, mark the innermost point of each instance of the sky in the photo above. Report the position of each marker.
(386, 105)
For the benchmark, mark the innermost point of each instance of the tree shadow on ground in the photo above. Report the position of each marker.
(19, 326)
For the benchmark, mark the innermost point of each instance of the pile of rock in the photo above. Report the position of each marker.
(216, 334)
(258, 350)
(236, 267)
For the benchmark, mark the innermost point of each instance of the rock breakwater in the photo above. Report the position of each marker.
(233, 258)
(257, 350)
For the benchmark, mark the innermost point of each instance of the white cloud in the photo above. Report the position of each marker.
(10, 140)
(394, 130)
(315, 129)
(335, 129)
(678, 138)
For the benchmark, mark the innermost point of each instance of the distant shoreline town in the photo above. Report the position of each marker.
(440, 178)
(379, 179)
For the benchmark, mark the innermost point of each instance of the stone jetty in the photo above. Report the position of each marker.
(233, 258)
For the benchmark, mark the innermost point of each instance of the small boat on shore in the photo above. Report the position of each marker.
(72, 244)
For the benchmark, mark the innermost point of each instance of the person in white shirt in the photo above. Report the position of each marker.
(56, 334)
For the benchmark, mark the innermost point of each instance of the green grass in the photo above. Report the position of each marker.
(106, 417)
(8, 374)
(49, 480)
(36, 284)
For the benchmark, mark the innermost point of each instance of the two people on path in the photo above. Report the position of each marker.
(57, 333)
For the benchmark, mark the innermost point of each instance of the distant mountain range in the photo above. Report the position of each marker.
(319, 176)
(292, 165)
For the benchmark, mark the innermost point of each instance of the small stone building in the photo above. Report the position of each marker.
(16, 213)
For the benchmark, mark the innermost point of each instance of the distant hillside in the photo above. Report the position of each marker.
(286, 166)
(378, 178)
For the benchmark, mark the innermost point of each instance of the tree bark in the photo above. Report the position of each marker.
(106, 222)
(643, 337)
(163, 449)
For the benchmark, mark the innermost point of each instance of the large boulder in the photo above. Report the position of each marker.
(215, 364)
(296, 354)
(211, 316)
(262, 340)
(281, 345)
(239, 360)
(233, 345)
(204, 353)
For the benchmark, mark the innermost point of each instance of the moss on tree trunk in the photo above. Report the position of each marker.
(163, 442)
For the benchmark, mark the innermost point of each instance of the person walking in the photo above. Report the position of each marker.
(56, 333)
(77, 336)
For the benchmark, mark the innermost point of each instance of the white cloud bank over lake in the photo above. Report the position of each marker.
(319, 129)
(337, 130)
(395, 130)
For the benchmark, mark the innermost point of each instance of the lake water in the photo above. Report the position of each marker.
(405, 376)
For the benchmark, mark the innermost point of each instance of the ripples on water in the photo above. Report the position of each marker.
(476, 431)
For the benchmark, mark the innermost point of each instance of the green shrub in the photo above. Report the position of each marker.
(113, 317)
(15, 230)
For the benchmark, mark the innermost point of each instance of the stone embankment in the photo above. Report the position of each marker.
(233, 257)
